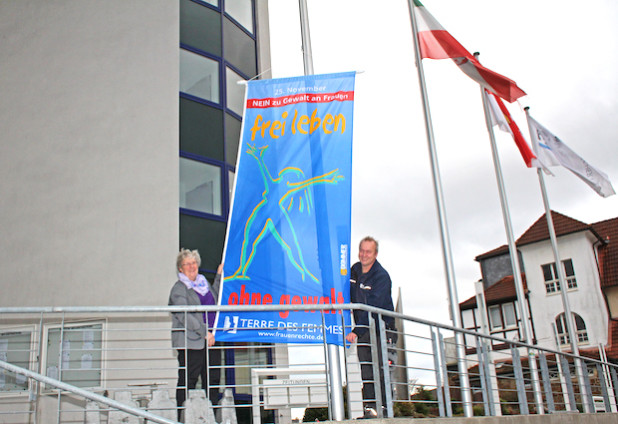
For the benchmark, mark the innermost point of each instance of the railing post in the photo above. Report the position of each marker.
(388, 395)
(551, 407)
(586, 391)
(614, 378)
(335, 383)
(519, 382)
(484, 377)
(603, 384)
(377, 389)
(437, 371)
(564, 365)
(446, 383)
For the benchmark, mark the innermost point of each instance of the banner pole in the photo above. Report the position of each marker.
(568, 316)
(446, 244)
(333, 357)
(519, 287)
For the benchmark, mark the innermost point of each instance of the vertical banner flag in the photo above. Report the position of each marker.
(552, 151)
(288, 237)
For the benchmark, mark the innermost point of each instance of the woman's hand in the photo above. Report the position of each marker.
(210, 339)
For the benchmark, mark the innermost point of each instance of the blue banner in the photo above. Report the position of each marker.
(288, 237)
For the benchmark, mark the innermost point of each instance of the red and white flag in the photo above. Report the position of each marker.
(501, 117)
(437, 43)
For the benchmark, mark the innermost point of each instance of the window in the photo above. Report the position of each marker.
(495, 317)
(14, 349)
(199, 76)
(231, 176)
(74, 354)
(247, 356)
(508, 311)
(550, 275)
(241, 11)
(200, 27)
(502, 316)
(200, 186)
(580, 328)
(235, 91)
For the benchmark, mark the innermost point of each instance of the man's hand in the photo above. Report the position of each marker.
(351, 337)
(210, 339)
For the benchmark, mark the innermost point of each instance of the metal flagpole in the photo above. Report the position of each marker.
(334, 362)
(519, 287)
(446, 244)
(568, 316)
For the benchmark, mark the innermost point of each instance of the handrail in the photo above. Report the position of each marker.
(85, 393)
(248, 308)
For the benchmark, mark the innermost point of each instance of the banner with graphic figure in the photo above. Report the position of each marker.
(288, 237)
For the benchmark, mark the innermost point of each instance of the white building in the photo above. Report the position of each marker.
(589, 258)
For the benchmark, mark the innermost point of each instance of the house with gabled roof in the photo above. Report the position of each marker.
(589, 258)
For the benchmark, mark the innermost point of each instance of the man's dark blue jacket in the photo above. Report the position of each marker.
(375, 291)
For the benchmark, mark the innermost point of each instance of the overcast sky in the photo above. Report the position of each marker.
(563, 53)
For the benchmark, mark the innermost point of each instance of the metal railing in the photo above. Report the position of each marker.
(62, 364)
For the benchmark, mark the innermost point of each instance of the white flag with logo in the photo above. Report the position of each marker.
(552, 152)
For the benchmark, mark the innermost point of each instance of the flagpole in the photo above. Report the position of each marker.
(568, 316)
(445, 238)
(334, 362)
(519, 287)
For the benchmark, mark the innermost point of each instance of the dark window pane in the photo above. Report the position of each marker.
(579, 322)
(200, 27)
(559, 327)
(547, 274)
(239, 48)
(232, 138)
(204, 235)
(568, 268)
(201, 129)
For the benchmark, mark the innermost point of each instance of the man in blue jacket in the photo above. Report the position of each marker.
(370, 284)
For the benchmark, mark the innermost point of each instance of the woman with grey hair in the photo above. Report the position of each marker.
(191, 331)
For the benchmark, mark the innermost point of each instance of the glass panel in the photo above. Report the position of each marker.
(232, 139)
(568, 268)
(235, 92)
(201, 129)
(241, 11)
(200, 186)
(205, 235)
(509, 315)
(80, 350)
(231, 176)
(14, 349)
(200, 27)
(239, 48)
(559, 326)
(199, 76)
(245, 358)
(547, 274)
(579, 322)
(495, 318)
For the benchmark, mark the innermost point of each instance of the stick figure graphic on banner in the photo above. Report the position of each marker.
(280, 196)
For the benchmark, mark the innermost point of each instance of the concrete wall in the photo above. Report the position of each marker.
(89, 151)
